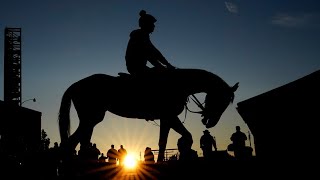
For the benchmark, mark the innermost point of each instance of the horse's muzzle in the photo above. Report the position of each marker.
(210, 122)
(204, 121)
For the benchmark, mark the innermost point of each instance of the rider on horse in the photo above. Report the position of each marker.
(140, 49)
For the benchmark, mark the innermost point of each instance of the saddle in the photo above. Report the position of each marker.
(123, 74)
(152, 79)
(155, 73)
(144, 77)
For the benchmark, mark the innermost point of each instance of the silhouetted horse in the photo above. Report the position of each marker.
(160, 96)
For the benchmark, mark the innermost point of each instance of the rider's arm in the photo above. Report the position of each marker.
(156, 57)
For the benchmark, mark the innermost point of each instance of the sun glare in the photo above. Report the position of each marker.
(130, 161)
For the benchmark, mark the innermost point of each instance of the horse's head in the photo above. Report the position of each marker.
(216, 103)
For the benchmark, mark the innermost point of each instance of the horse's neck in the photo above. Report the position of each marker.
(199, 81)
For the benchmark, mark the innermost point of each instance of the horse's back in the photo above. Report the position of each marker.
(99, 76)
(95, 78)
(94, 84)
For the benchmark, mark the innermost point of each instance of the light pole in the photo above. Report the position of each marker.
(33, 99)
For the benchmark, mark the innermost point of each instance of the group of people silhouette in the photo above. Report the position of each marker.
(119, 155)
(186, 153)
(238, 145)
(113, 155)
(208, 143)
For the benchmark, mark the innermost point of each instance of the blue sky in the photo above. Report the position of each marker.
(260, 44)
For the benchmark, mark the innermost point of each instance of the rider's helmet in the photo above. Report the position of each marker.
(146, 19)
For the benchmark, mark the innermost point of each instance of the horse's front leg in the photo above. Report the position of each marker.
(164, 132)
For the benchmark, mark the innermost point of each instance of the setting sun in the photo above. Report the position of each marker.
(130, 161)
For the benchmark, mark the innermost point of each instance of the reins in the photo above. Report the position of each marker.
(195, 100)
(198, 103)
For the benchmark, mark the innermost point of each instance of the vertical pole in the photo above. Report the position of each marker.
(249, 138)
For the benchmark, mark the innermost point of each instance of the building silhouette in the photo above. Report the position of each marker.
(283, 122)
(12, 65)
(20, 128)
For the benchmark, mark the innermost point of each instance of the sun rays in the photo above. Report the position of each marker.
(130, 162)
(132, 169)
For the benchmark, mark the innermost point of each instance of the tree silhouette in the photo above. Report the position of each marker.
(45, 141)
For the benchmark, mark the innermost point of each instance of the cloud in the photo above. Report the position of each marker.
(232, 7)
(287, 20)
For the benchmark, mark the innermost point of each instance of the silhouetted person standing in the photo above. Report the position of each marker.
(112, 155)
(206, 143)
(122, 153)
(186, 153)
(102, 158)
(239, 143)
(95, 152)
(140, 49)
(148, 156)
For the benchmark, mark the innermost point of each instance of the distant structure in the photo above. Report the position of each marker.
(12, 64)
(284, 121)
(168, 152)
(20, 128)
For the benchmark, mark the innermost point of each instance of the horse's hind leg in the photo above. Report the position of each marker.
(87, 121)
(82, 134)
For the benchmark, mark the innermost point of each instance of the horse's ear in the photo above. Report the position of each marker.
(235, 87)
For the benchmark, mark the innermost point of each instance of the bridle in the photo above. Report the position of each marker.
(198, 103)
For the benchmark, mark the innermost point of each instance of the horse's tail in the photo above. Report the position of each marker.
(64, 115)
